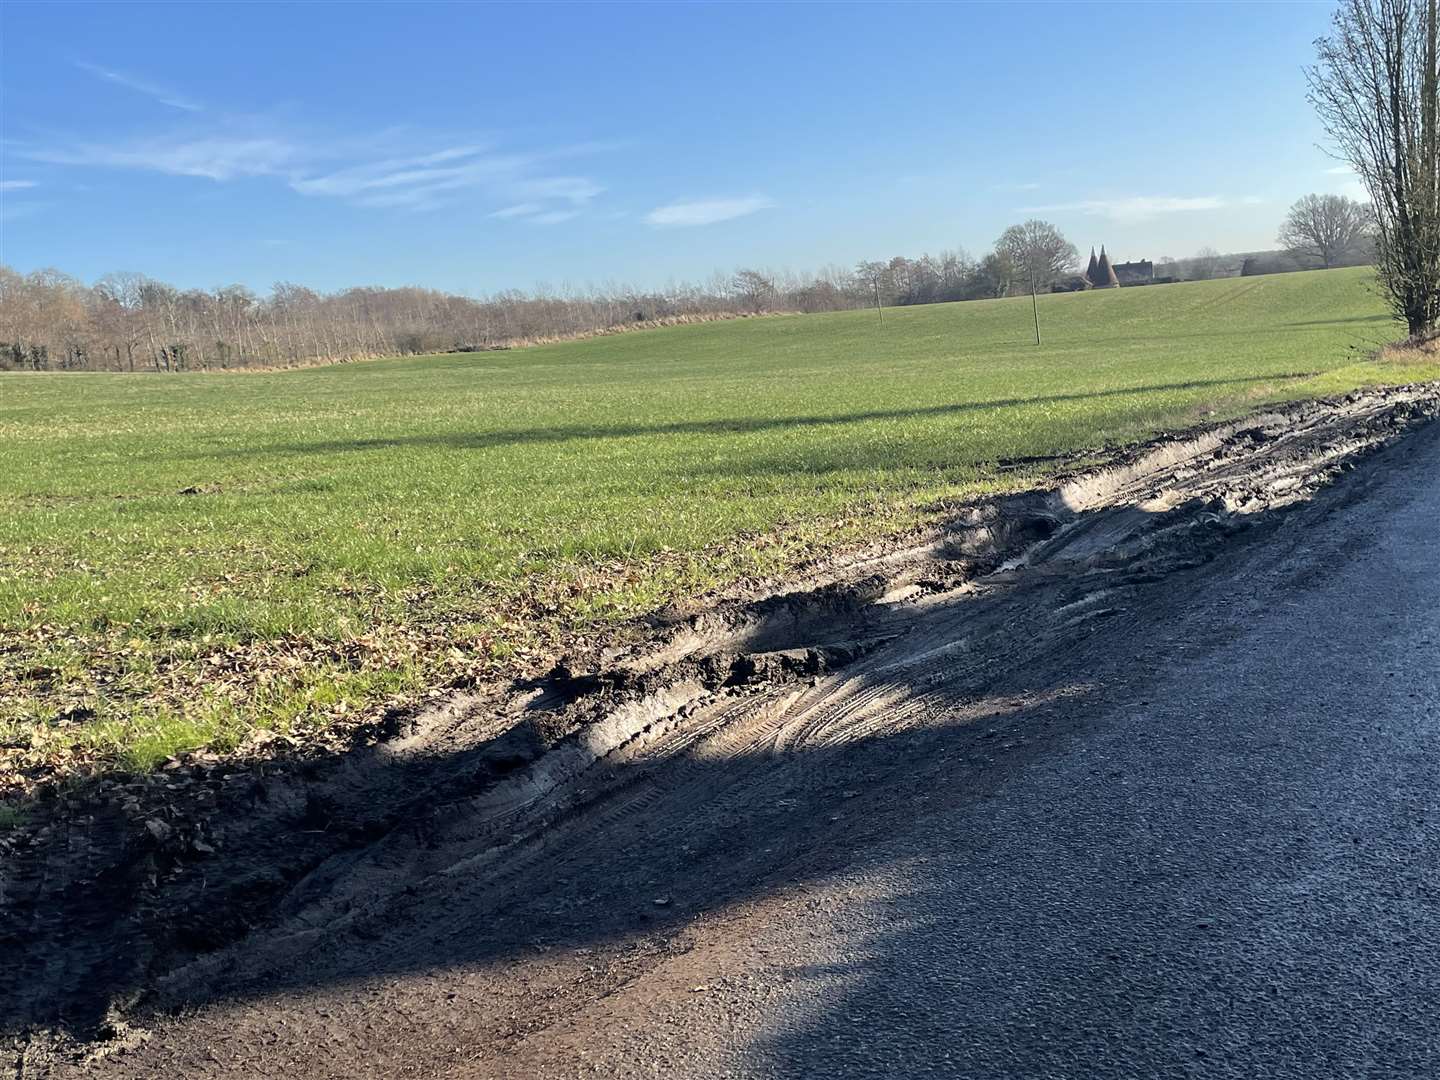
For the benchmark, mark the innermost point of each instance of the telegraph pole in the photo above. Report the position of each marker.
(1035, 307)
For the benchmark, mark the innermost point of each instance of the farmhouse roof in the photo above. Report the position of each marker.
(1139, 272)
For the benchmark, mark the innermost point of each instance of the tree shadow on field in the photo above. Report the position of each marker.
(1345, 322)
(460, 440)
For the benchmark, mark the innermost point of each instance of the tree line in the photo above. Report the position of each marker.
(130, 322)
(50, 321)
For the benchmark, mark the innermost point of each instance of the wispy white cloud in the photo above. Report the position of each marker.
(1012, 186)
(425, 188)
(358, 171)
(19, 206)
(1340, 170)
(706, 211)
(1252, 200)
(575, 190)
(414, 183)
(548, 200)
(1133, 207)
(216, 157)
(141, 85)
(553, 217)
(524, 209)
(389, 173)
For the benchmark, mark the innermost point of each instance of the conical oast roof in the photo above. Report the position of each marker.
(1105, 273)
(1091, 271)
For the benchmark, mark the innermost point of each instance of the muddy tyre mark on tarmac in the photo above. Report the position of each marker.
(516, 851)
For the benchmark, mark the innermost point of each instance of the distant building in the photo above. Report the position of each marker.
(1101, 274)
(1135, 273)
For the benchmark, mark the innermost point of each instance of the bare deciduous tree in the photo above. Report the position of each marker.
(1325, 229)
(874, 277)
(1040, 254)
(1376, 87)
(1205, 265)
(754, 290)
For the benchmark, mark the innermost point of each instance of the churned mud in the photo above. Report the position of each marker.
(629, 786)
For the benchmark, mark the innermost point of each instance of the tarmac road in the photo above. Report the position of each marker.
(1235, 874)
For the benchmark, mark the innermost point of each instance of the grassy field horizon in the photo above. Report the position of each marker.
(188, 559)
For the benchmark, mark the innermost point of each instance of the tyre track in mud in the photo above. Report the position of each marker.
(678, 759)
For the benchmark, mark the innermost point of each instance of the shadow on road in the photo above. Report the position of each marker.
(1229, 876)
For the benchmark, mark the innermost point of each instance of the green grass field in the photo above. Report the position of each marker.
(186, 558)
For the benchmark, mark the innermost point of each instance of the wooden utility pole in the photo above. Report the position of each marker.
(1035, 308)
(878, 309)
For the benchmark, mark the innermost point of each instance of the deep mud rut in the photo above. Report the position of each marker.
(517, 853)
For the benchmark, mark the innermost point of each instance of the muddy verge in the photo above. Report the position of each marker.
(106, 911)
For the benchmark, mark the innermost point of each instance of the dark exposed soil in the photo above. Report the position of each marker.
(719, 727)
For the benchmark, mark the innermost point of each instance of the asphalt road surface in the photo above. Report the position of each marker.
(1234, 874)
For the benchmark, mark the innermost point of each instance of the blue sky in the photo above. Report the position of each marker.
(477, 147)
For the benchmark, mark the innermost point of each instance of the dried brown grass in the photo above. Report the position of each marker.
(1411, 352)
